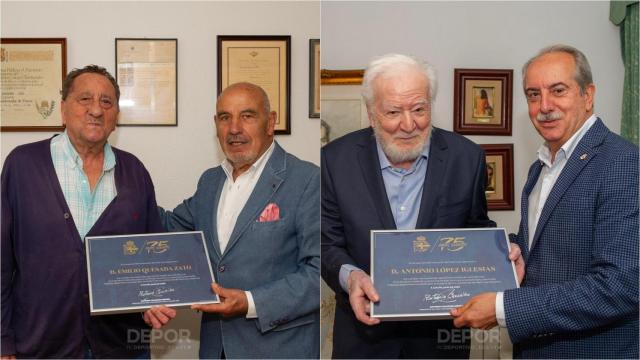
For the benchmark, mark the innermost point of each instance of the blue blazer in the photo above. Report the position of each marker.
(354, 201)
(279, 261)
(579, 298)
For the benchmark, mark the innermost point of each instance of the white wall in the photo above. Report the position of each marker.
(175, 156)
(492, 35)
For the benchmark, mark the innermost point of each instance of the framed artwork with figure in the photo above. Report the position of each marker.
(499, 190)
(482, 101)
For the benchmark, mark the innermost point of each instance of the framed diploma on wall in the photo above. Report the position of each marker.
(147, 73)
(263, 60)
(33, 70)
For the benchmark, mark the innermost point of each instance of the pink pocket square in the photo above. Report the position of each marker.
(270, 213)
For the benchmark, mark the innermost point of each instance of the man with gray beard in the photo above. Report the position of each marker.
(402, 173)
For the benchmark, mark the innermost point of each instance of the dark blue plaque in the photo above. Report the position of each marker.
(422, 274)
(131, 273)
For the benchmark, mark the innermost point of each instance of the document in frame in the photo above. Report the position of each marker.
(131, 273)
(422, 274)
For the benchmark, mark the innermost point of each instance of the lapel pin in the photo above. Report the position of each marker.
(583, 156)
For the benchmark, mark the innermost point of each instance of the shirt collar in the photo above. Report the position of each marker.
(384, 161)
(228, 167)
(74, 159)
(544, 153)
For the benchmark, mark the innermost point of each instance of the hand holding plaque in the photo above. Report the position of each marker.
(480, 311)
(158, 316)
(233, 302)
(361, 294)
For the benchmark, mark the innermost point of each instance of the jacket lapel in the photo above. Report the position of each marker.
(586, 150)
(270, 179)
(370, 167)
(210, 223)
(433, 180)
(532, 179)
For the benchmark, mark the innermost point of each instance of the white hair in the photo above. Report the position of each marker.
(396, 62)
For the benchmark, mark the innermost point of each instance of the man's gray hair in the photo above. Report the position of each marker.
(582, 73)
(392, 62)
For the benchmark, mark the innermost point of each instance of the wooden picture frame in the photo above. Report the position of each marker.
(341, 77)
(33, 71)
(147, 74)
(264, 60)
(499, 191)
(343, 110)
(314, 78)
(483, 101)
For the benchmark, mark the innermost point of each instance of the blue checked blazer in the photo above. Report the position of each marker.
(278, 261)
(579, 298)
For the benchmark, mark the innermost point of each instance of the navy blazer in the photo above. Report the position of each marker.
(579, 298)
(278, 261)
(354, 199)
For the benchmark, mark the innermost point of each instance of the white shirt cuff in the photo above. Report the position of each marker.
(502, 321)
(251, 311)
(345, 271)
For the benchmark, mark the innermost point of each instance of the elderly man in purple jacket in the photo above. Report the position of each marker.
(54, 193)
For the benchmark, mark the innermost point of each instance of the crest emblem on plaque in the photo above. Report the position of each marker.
(420, 244)
(129, 248)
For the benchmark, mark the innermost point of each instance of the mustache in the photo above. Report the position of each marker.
(555, 115)
(235, 138)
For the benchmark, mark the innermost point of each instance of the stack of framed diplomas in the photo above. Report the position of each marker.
(422, 274)
(131, 273)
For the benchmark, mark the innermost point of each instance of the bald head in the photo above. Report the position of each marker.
(253, 89)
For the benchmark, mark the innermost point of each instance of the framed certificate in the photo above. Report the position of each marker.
(422, 274)
(33, 71)
(131, 273)
(147, 73)
(261, 60)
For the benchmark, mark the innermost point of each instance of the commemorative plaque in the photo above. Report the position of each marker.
(131, 273)
(422, 274)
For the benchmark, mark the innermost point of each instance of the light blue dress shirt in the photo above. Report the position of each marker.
(86, 206)
(404, 191)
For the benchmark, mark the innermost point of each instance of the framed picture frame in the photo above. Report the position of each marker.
(341, 77)
(264, 60)
(314, 78)
(482, 101)
(343, 110)
(147, 73)
(33, 71)
(499, 191)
